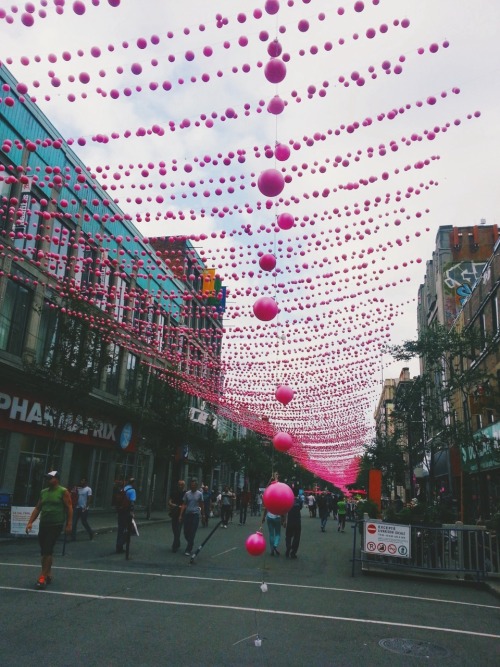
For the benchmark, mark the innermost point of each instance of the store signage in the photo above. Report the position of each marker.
(19, 517)
(35, 414)
(387, 539)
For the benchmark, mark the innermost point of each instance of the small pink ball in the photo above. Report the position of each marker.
(255, 544)
(276, 105)
(285, 221)
(271, 183)
(282, 441)
(265, 309)
(275, 70)
(267, 262)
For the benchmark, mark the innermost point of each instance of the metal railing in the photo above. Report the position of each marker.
(452, 549)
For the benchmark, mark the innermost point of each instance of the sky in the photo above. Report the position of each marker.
(391, 117)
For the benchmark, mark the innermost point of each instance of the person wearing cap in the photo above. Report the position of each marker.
(55, 510)
(125, 514)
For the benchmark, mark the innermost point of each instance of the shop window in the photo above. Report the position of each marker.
(120, 293)
(38, 456)
(98, 478)
(490, 416)
(134, 465)
(14, 315)
(4, 438)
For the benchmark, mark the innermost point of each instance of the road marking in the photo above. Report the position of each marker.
(276, 612)
(224, 552)
(258, 583)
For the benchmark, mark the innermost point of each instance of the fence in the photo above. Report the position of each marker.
(453, 549)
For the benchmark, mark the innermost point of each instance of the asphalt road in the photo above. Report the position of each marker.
(157, 609)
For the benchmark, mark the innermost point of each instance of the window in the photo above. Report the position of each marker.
(25, 233)
(131, 375)
(14, 314)
(479, 422)
(59, 249)
(494, 313)
(490, 416)
(47, 333)
(120, 293)
(112, 369)
(482, 329)
(4, 204)
(87, 257)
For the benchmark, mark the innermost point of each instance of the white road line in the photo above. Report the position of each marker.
(258, 583)
(224, 552)
(277, 612)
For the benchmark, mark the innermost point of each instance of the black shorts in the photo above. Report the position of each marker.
(47, 537)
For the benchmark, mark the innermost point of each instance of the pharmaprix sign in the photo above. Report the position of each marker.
(37, 415)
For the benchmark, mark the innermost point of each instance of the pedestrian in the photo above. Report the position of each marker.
(226, 505)
(191, 509)
(274, 523)
(55, 511)
(293, 527)
(244, 501)
(81, 509)
(125, 513)
(174, 509)
(259, 501)
(341, 512)
(311, 503)
(323, 509)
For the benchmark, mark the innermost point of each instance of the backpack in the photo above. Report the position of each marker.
(121, 500)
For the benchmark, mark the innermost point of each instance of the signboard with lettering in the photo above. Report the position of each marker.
(387, 539)
(19, 517)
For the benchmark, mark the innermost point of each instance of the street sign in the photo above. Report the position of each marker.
(389, 539)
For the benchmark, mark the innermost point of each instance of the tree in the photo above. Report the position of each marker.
(384, 453)
(451, 375)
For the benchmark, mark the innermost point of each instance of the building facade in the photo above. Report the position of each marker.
(81, 289)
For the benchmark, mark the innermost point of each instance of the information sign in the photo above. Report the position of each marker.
(388, 539)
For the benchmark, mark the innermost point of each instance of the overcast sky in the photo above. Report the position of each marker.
(372, 219)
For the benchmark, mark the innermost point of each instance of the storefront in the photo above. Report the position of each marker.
(36, 437)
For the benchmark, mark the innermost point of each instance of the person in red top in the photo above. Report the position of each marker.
(55, 511)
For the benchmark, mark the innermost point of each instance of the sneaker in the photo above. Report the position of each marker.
(41, 583)
(187, 553)
(293, 555)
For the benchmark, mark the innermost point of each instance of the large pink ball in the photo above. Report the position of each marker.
(255, 544)
(278, 498)
(285, 221)
(284, 394)
(271, 183)
(282, 152)
(267, 262)
(276, 105)
(272, 6)
(282, 441)
(265, 309)
(275, 70)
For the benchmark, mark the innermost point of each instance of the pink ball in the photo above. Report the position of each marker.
(267, 262)
(272, 6)
(285, 221)
(255, 544)
(265, 309)
(282, 441)
(278, 498)
(271, 183)
(79, 8)
(276, 105)
(282, 152)
(274, 49)
(275, 70)
(284, 394)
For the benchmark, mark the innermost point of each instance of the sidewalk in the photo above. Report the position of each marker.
(106, 522)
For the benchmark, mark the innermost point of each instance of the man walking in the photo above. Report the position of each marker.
(125, 513)
(226, 506)
(174, 505)
(244, 500)
(293, 526)
(55, 510)
(341, 512)
(323, 509)
(80, 511)
(191, 510)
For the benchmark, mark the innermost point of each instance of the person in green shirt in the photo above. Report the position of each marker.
(341, 512)
(55, 510)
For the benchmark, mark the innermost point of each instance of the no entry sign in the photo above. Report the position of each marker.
(389, 539)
